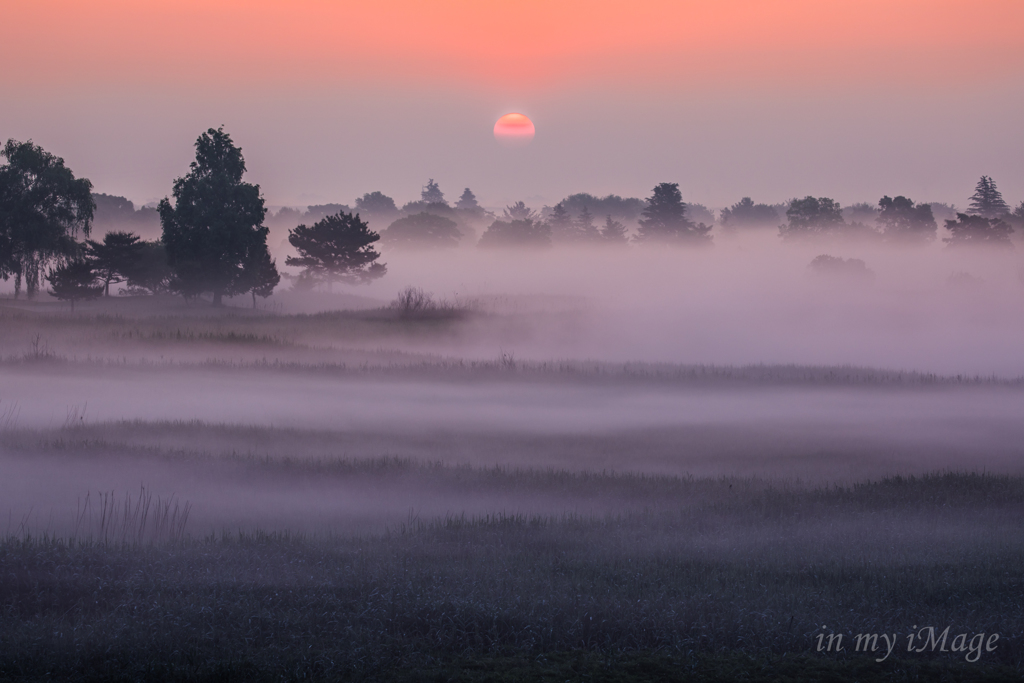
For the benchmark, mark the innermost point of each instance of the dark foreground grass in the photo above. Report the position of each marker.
(740, 592)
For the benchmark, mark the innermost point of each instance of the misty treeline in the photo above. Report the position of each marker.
(213, 229)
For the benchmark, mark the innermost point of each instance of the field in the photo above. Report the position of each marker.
(195, 494)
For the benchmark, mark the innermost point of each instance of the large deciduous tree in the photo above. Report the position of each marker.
(215, 223)
(812, 217)
(978, 231)
(424, 231)
(43, 207)
(337, 248)
(906, 222)
(664, 219)
(746, 214)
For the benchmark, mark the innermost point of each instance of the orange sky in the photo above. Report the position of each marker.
(497, 45)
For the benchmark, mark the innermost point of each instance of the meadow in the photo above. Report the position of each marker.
(235, 495)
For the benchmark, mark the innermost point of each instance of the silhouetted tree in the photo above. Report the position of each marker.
(846, 269)
(519, 212)
(563, 228)
(216, 220)
(118, 214)
(467, 202)
(664, 219)
(337, 248)
(259, 275)
(74, 280)
(285, 218)
(903, 221)
(115, 257)
(970, 231)
(318, 212)
(860, 213)
(1018, 216)
(812, 217)
(423, 230)
(42, 209)
(377, 207)
(517, 232)
(626, 209)
(987, 200)
(151, 274)
(585, 227)
(431, 194)
(614, 232)
(746, 214)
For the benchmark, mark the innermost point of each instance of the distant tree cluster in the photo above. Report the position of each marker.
(213, 229)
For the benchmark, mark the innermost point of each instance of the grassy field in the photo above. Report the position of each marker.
(327, 497)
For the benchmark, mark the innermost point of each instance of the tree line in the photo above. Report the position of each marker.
(214, 232)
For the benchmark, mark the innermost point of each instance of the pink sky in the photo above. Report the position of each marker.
(771, 99)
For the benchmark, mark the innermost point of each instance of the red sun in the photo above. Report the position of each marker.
(514, 130)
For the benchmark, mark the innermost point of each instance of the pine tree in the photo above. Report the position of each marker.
(74, 280)
(585, 227)
(336, 248)
(115, 258)
(561, 224)
(664, 219)
(613, 232)
(432, 194)
(987, 200)
(467, 202)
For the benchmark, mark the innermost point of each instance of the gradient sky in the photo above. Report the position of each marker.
(768, 98)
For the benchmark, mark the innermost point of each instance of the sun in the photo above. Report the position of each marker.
(514, 130)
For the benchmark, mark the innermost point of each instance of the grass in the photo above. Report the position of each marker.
(726, 583)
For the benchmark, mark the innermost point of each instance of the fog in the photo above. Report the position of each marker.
(701, 362)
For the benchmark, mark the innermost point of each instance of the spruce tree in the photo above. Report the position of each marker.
(664, 219)
(73, 281)
(987, 200)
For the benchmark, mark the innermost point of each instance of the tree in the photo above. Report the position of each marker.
(614, 232)
(467, 202)
(978, 231)
(517, 232)
(746, 214)
(423, 230)
(151, 274)
(42, 209)
(903, 221)
(585, 226)
(562, 227)
(664, 219)
(812, 217)
(216, 220)
(432, 194)
(115, 257)
(336, 248)
(520, 212)
(377, 206)
(627, 209)
(988, 201)
(259, 275)
(74, 280)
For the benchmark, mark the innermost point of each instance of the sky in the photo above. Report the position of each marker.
(772, 99)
